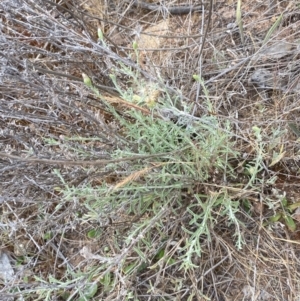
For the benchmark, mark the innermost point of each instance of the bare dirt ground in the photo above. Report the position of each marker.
(252, 78)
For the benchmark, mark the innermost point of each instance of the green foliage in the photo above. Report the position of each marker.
(174, 153)
(283, 213)
(89, 292)
(239, 19)
(185, 154)
(273, 29)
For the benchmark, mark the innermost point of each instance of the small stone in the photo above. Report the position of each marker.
(262, 78)
(265, 79)
(276, 51)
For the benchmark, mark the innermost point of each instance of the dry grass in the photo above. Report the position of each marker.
(69, 226)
